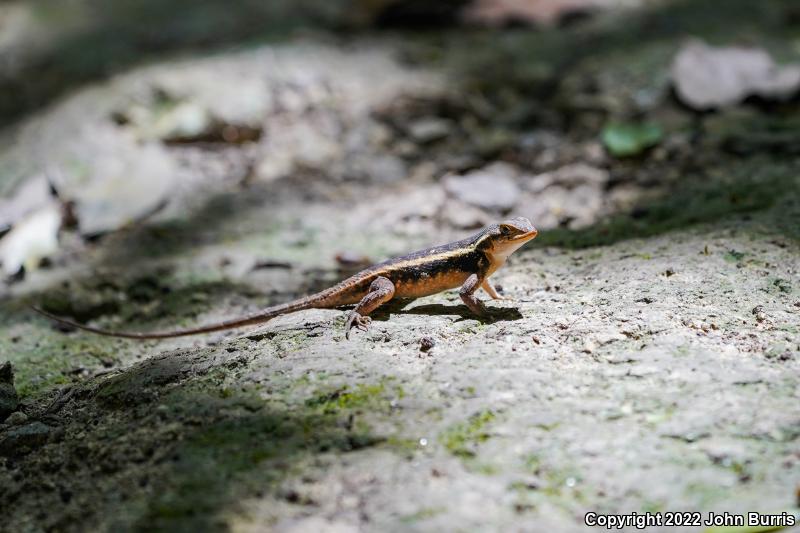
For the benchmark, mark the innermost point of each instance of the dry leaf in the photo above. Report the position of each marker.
(33, 194)
(707, 77)
(32, 238)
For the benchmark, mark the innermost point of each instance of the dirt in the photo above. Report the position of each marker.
(645, 357)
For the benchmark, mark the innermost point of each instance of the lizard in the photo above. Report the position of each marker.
(466, 263)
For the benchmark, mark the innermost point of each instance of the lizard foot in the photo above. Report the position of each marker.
(359, 321)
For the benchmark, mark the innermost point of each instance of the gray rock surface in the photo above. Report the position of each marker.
(22, 439)
(493, 187)
(9, 400)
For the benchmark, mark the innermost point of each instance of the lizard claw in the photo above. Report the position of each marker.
(359, 321)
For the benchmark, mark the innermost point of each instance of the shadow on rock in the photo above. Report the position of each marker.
(168, 445)
(494, 314)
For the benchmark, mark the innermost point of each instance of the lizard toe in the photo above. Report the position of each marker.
(358, 321)
(363, 322)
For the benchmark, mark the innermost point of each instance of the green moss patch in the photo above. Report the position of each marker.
(462, 439)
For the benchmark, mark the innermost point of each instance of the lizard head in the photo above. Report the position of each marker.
(503, 239)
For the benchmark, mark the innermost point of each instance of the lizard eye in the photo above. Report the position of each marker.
(505, 230)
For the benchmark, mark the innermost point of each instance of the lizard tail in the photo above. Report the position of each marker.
(255, 318)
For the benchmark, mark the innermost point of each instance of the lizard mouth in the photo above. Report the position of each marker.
(525, 236)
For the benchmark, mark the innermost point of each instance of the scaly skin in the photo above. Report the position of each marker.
(466, 264)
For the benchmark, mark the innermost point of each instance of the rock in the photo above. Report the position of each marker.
(426, 344)
(22, 439)
(593, 152)
(545, 151)
(572, 194)
(289, 144)
(707, 77)
(541, 148)
(464, 216)
(543, 209)
(313, 524)
(17, 418)
(169, 120)
(489, 143)
(9, 400)
(569, 176)
(626, 197)
(492, 187)
(426, 130)
(112, 177)
(581, 206)
(758, 312)
(724, 450)
(381, 168)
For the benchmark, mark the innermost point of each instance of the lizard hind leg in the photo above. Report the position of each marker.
(381, 290)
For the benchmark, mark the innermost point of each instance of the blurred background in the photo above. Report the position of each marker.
(598, 118)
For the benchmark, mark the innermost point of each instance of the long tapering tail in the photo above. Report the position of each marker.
(255, 318)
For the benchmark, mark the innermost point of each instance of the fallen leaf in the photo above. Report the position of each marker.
(707, 77)
(625, 140)
(33, 194)
(33, 237)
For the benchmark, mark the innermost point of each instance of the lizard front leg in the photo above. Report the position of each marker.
(381, 290)
(467, 294)
(490, 290)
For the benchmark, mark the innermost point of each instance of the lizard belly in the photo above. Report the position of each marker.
(426, 284)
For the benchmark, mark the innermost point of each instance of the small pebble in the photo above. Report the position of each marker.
(430, 129)
(759, 313)
(426, 344)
